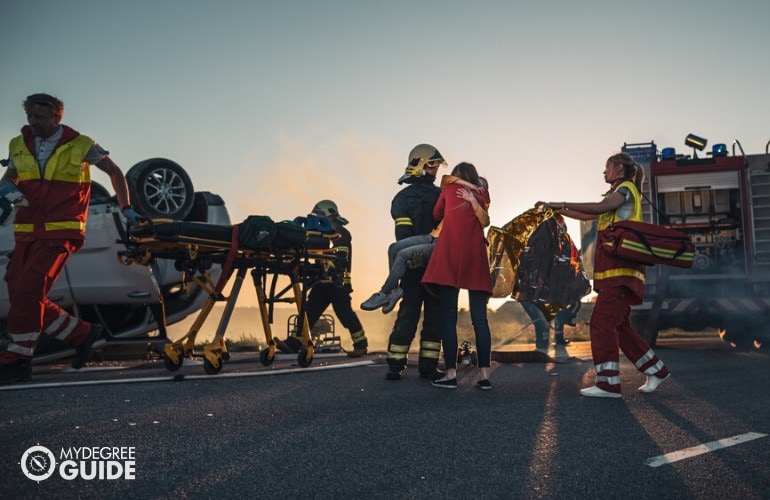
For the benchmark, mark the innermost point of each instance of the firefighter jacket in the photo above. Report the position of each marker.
(343, 246)
(58, 196)
(412, 208)
(610, 271)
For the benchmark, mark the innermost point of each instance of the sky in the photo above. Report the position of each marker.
(277, 105)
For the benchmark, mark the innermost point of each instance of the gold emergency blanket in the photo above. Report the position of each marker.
(505, 246)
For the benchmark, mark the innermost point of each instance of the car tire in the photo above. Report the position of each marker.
(160, 188)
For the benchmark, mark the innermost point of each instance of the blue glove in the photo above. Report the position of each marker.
(131, 216)
(7, 187)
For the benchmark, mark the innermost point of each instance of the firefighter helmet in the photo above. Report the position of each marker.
(329, 209)
(419, 156)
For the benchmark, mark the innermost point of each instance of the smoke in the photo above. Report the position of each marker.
(358, 173)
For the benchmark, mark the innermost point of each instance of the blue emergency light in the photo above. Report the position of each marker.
(719, 150)
(668, 154)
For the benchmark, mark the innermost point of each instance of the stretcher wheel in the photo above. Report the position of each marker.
(302, 358)
(171, 365)
(210, 369)
(265, 358)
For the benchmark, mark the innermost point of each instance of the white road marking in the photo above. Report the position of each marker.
(693, 451)
(181, 377)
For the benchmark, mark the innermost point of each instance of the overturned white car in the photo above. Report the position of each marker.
(130, 301)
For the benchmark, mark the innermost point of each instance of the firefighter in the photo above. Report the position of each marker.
(49, 164)
(619, 284)
(328, 292)
(412, 212)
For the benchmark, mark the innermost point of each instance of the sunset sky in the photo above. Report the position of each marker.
(276, 105)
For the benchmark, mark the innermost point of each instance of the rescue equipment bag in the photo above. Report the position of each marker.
(260, 232)
(289, 234)
(647, 244)
(257, 232)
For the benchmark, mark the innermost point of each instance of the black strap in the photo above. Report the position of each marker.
(662, 217)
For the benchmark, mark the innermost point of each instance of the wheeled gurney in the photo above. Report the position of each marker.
(196, 247)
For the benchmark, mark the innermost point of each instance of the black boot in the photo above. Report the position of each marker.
(291, 345)
(84, 350)
(432, 374)
(20, 371)
(360, 348)
(393, 374)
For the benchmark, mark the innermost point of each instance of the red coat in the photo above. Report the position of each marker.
(459, 258)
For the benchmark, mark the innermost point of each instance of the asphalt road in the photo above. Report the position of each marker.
(340, 430)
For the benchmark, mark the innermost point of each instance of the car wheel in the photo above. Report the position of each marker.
(160, 188)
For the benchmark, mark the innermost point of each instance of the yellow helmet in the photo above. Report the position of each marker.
(419, 156)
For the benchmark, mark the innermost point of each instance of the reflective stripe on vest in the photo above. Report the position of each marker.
(51, 226)
(617, 273)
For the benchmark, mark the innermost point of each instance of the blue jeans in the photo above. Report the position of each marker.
(542, 326)
(478, 304)
(400, 252)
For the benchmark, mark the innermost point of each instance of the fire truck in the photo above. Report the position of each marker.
(722, 201)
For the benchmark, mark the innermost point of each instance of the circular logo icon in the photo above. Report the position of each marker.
(38, 463)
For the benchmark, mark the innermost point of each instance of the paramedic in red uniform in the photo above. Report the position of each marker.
(619, 284)
(49, 164)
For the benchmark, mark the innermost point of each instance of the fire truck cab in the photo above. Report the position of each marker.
(722, 201)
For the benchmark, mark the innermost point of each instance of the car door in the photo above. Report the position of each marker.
(95, 274)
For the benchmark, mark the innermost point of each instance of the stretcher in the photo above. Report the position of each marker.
(196, 247)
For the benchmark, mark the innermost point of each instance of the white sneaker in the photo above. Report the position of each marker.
(595, 392)
(652, 383)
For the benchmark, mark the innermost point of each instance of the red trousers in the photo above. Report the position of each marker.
(611, 329)
(31, 272)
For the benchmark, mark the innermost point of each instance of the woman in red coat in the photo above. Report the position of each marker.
(459, 260)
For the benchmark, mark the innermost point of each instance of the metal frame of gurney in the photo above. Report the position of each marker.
(195, 247)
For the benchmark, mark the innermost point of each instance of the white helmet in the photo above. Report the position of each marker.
(419, 156)
(329, 209)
